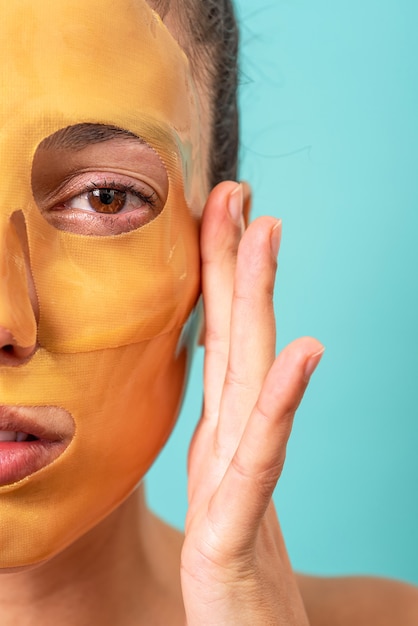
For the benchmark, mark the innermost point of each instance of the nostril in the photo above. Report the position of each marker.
(11, 353)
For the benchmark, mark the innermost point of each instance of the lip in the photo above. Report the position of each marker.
(51, 429)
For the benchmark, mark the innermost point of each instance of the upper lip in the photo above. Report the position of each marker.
(31, 420)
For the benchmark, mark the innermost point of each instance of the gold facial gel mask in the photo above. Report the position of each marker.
(99, 257)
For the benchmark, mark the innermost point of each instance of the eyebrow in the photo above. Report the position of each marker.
(79, 136)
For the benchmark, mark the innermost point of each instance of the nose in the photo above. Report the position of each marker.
(11, 353)
(17, 306)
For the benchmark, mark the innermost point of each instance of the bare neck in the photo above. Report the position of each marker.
(125, 571)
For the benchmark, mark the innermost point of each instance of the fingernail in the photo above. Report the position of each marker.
(275, 237)
(312, 363)
(235, 204)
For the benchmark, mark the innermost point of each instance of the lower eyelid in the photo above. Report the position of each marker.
(94, 224)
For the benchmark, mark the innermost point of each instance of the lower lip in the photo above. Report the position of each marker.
(20, 459)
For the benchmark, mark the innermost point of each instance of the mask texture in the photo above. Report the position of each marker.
(110, 311)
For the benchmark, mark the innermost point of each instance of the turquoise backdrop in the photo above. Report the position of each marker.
(329, 107)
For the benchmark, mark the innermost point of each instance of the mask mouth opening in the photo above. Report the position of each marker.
(31, 438)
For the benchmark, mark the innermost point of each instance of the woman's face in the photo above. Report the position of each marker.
(103, 186)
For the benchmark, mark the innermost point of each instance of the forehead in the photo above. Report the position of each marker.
(83, 55)
(71, 61)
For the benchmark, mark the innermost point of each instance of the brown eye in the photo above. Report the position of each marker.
(106, 200)
(98, 187)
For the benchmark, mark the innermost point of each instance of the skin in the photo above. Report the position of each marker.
(231, 567)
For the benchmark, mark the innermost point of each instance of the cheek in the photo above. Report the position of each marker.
(128, 410)
(128, 405)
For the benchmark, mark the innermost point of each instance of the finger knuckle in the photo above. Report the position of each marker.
(240, 380)
(267, 479)
(263, 478)
(283, 409)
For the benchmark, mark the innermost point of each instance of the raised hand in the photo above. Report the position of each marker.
(235, 568)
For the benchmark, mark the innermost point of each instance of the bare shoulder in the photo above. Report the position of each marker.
(359, 601)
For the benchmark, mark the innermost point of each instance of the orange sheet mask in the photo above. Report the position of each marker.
(111, 334)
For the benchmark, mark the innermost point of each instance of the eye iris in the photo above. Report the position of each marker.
(107, 200)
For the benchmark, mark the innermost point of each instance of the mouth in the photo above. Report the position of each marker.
(30, 439)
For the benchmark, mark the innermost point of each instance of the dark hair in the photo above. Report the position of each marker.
(211, 42)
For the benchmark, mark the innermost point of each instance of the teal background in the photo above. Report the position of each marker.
(329, 113)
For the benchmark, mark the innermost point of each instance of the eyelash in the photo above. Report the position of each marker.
(150, 199)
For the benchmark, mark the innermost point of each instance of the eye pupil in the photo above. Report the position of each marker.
(107, 200)
(106, 195)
